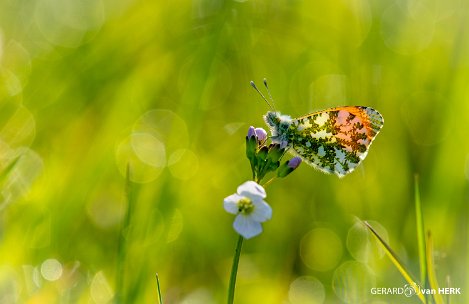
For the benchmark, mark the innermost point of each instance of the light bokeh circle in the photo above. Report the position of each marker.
(133, 154)
(321, 249)
(306, 289)
(352, 282)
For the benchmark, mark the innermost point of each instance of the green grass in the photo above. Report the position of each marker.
(88, 88)
(426, 256)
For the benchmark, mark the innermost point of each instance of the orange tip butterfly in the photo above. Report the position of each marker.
(334, 140)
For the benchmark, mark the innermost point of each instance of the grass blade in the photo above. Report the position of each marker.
(431, 270)
(420, 234)
(123, 234)
(160, 299)
(396, 261)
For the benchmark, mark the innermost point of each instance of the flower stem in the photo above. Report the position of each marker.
(269, 181)
(234, 270)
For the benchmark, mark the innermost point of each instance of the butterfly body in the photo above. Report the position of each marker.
(335, 140)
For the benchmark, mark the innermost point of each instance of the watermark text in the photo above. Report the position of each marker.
(414, 289)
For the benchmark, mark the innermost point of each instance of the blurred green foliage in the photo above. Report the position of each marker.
(87, 87)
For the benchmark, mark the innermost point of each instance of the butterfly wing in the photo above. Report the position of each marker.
(335, 140)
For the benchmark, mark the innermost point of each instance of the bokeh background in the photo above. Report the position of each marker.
(87, 87)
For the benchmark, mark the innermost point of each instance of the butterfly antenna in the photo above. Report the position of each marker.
(270, 95)
(262, 95)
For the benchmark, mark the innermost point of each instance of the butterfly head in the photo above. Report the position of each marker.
(279, 125)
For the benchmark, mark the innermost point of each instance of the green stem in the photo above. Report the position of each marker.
(234, 270)
(269, 182)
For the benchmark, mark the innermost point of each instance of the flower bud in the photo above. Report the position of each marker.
(261, 134)
(251, 132)
(251, 144)
(294, 162)
(263, 153)
(275, 152)
(289, 166)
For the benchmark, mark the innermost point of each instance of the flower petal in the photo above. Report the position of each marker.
(262, 211)
(261, 134)
(246, 226)
(230, 203)
(251, 190)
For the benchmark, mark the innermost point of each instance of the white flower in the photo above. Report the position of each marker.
(250, 208)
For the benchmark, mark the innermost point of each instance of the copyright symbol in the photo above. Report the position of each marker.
(409, 290)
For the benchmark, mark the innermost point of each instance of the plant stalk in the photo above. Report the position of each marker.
(234, 270)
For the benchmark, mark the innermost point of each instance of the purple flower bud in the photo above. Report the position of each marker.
(294, 162)
(289, 166)
(251, 132)
(261, 134)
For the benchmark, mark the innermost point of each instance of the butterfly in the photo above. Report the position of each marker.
(334, 140)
